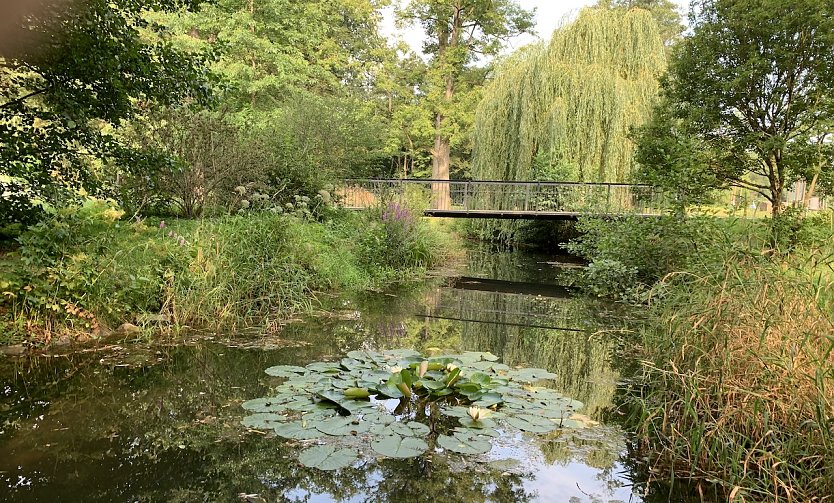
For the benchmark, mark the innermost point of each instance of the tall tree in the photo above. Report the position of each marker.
(754, 87)
(270, 50)
(90, 67)
(459, 32)
(665, 13)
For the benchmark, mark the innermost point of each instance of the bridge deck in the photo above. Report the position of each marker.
(506, 200)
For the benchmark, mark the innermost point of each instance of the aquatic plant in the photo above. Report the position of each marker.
(401, 404)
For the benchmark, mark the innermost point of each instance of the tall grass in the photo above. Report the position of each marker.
(738, 379)
(83, 273)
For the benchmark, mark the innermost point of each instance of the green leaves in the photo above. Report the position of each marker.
(395, 446)
(327, 457)
(347, 400)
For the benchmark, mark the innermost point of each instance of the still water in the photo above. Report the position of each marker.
(132, 421)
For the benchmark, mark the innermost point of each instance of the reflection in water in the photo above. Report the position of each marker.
(152, 423)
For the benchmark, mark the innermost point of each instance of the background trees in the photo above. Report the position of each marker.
(61, 98)
(459, 32)
(751, 91)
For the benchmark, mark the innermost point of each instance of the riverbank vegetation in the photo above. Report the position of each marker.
(737, 346)
(86, 271)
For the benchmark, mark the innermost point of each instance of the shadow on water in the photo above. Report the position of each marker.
(140, 422)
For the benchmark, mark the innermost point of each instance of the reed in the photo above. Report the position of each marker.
(738, 377)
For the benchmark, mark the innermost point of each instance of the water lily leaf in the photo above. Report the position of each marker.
(484, 432)
(327, 457)
(432, 385)
(463, 444)
(357, 393)
(263, 421)
(419, 429)
(351, 364)
(390, 391)
(489, 365)
(477, 425)
(364, 356)
(395, 446)
(286, 371)
(531, 423)
(268, 404)
(452, 377)
(377, 417)
(479, 355)
(455, 411)
(489, 399)
(530, 375)
(324, 367)
(298, 430)
(480, 379)
(341, 426)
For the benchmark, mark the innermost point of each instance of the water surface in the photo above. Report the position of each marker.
(151, 422)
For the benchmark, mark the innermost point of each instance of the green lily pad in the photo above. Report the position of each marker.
(395, 446)
(324, 367)
(286, 371)
(263, 420)
(488, 400)
(464, 444)
(531, 423)
(341, 426)
(268, 404)
(530, 375)
(327, 457)
(298, 430)
(477, 425)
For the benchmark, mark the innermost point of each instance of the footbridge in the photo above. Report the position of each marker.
(505, 200)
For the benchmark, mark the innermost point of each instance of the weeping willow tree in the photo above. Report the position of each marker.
(563, 110)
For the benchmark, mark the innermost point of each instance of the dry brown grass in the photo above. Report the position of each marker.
(742, 387)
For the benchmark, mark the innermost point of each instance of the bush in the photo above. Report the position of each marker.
(628, 256)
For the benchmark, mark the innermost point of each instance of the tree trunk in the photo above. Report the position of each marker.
(440, 160)
(809, 190)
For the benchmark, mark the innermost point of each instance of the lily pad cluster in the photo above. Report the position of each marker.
(401, 404)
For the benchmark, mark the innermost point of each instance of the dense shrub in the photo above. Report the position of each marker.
(629, 255)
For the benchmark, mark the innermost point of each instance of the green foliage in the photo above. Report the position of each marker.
(84, 268)
(752, 88)
(322, 401)
(61, 102)
(459, 32)
(562, 111)
(628, 256)
(735, 385)
(396, 238)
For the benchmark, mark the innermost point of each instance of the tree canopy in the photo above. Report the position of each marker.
(563, 110)
(95, 65)
(459, 32)
(751, 92)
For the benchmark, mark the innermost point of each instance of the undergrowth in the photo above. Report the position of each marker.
(86, 270)
(737, 383)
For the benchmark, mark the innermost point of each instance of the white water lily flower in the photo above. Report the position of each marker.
(395, 369)
(451, 367)
(477, 413)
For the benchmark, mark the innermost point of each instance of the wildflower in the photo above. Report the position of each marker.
(244, 204)
(162, 224)
(182, 241)
(170, 234)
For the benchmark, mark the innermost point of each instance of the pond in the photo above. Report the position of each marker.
(135, 421)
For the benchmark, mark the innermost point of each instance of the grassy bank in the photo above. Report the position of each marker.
(737, 380)
(87, 271)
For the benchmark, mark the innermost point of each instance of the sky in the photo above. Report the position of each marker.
(549, 15)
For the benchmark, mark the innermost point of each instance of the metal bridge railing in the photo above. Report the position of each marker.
(474, 196)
